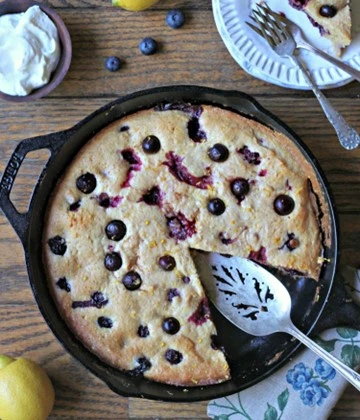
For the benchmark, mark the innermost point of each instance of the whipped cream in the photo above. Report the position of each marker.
(29, 51)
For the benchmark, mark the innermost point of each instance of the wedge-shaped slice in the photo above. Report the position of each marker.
(331, 17)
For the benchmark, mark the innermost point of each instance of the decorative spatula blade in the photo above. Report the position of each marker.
(256, 302)
(242, 293)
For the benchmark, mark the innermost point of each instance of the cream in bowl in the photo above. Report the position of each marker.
(35, 50)
(29, 50)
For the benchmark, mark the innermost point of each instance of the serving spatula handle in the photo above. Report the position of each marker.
(349, 374)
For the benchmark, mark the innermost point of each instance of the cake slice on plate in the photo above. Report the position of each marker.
(332, 17)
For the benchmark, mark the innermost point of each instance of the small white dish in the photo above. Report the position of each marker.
(251, 52)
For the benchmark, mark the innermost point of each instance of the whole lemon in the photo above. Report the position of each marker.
(134, 5)
(26, 392)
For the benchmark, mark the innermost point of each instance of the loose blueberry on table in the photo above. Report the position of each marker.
(175, 18)
(113, 63)
(148, 46)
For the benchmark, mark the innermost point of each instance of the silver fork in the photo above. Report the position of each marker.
(298, 36)
(282, 42)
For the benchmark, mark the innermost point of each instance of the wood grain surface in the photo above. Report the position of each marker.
(193, 54)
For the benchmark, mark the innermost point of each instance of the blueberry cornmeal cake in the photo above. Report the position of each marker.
(331, 17)
(138, 196)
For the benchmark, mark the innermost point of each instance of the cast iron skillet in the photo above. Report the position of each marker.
(251, 358)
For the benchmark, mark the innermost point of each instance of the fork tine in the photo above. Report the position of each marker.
(271, 25)
(266, 26)
(262, 28)
(277, 20)
(255, 28)
(273, 14)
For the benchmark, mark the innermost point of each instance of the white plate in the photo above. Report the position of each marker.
(253, 54)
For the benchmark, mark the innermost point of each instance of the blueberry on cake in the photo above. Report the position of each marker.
(142, 193)
(331, 17)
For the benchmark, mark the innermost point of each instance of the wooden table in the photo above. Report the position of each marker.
(193, 54)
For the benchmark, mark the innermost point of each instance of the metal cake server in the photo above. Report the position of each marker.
(255, 301)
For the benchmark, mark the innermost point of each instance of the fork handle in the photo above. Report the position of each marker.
(347, 135)
(348, 69)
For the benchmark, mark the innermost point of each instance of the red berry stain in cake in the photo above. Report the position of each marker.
(153, 197)
(322, 30)
(135, 165)
(298, 4)
(106, 201)
(115, 201)
(251, 157)
(287, 185)
(97, 300)
(263, 172)
(180, 227)
(226, 240)
(172, 293)
(180, 172)
(291, 243)
(259, 256)
(202, 313)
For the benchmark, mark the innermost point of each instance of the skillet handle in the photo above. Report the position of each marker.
(340, 310)
(53, 142)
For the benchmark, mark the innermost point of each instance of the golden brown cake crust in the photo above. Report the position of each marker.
(125, 327)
